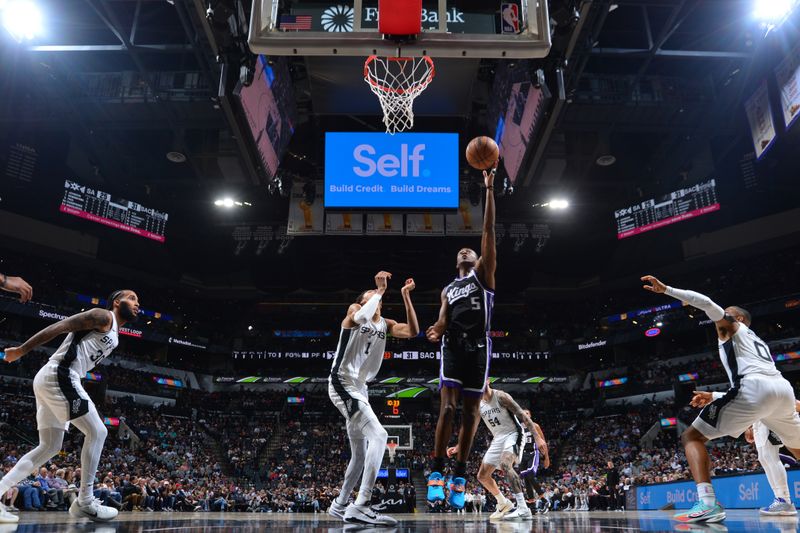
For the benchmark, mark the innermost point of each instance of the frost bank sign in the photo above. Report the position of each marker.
(340, 18)
(402, 171)
(734, 492)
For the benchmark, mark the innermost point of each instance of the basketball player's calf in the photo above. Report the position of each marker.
(522, 511)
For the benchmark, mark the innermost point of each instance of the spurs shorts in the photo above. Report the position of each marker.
(769, 399)
(762, 436)
(465, 363)
(355, 408)
(511, 443)
(59, 397)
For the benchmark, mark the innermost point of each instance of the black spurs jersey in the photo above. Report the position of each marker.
(469, 307)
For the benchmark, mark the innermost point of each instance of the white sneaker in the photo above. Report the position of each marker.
(336, 510)
(362, 514)
(6, 517)
(779, 507)
(520, 513)
(94, 511)
(501, 511)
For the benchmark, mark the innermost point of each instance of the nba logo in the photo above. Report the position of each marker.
(509, 18)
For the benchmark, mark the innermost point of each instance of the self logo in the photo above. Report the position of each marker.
(406, 164)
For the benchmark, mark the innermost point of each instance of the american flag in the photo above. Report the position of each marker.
(295, 22)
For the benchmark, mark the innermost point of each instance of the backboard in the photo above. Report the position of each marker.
(450, 28)
(403, 435)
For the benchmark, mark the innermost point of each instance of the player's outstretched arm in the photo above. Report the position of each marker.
(487, 264)
(411, 328)
(16, 285)
(360, 314)
(434, 333)
(97, 319)
(726, 326)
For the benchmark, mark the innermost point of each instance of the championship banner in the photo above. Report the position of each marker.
(305, 218)
(787, 73)
(424, 224)
(467, 221)
(759, 115)
(344, 224)
(384, 224)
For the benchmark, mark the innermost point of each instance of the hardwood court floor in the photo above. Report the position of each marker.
(738, 521)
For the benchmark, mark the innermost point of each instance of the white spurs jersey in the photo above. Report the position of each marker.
(359, 354)
(498, 419)
(745, 353)
(82, 350)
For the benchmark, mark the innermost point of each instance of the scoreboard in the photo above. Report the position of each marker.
(677, 206)
(98, 206)
(392, 407)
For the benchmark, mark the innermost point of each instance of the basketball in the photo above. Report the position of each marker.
(482, 152)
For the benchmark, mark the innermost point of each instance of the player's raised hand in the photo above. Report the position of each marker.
(488, 177)
(12, 354)
(382, 280)
(655, 284)
(409, 286)
(701, 398)
(19, 286)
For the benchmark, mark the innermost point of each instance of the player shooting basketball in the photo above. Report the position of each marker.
(463, 330)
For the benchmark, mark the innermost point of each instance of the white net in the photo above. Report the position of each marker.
(392, 447)
(397, 81)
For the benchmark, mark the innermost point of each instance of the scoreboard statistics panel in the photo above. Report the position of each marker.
(677, 206)
(98, 206)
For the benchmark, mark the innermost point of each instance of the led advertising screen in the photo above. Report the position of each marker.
(401, 171)
(169, 382)
(269, 107)
(611, 382)
(118, 213)
(676, 206)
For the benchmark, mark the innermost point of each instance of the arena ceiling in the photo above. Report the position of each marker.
(114, 85)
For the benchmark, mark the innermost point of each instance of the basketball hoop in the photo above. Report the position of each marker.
(397, 81)
(392, 447)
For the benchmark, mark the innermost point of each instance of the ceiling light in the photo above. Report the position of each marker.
(606, 160)
(558, 204)
(22, 19)
(773, 10)
(659, 324)
(176, 157)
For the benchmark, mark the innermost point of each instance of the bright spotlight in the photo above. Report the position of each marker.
(218, 203)
(558, 204)
(228, 202)
(21, 18)
(773, 10)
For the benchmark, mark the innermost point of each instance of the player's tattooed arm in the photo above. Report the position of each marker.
(93, 319)
(508, 402)
(434, 333)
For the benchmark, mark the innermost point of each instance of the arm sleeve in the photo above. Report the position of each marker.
(700, 301)
(367, 311)
(717, 395)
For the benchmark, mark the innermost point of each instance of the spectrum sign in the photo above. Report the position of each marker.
(401, 171)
